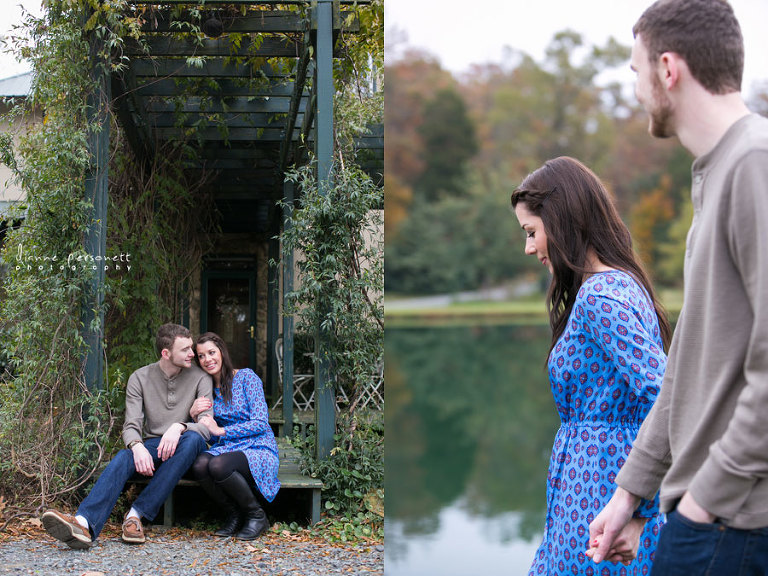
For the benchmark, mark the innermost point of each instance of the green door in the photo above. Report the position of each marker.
(229, 309)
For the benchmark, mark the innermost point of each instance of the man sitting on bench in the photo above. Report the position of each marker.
(161, 439)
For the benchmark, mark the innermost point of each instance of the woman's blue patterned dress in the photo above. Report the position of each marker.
(247, 422)
(605, 372)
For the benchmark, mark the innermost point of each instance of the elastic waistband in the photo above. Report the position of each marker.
(578, 425)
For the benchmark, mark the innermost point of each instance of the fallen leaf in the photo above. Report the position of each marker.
(34, 522)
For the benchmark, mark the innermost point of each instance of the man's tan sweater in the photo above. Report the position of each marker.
(153, 401)
(708, 430)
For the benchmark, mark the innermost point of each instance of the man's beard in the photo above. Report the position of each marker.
(660, 123)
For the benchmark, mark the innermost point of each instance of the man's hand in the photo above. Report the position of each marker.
(689, 508)
(199, 406)
(612, 535)
(142, 460)
(210, 423)
(625, 545)
(169, 441)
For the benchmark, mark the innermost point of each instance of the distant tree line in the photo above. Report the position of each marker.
(456, 148)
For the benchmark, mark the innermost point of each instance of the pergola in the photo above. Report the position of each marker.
(253, 97)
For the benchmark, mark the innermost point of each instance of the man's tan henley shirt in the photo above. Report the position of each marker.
(153, 401)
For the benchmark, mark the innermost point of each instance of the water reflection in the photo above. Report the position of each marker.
(470, 422)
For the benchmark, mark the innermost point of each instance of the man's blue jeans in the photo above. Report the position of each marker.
(102, 498)
(688, 548)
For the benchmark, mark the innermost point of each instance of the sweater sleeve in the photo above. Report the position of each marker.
(740, 456)
(256, 408)
(204, 388)
(134, 411)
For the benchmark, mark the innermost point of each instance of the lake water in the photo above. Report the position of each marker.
(470, 423)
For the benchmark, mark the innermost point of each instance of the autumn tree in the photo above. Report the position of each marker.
(449, 143)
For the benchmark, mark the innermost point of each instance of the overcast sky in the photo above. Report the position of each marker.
(462, 33)
(10, 14)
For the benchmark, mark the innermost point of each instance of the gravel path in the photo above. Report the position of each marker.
(179, 552)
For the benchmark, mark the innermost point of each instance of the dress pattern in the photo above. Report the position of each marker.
(246, 420)
(605, 372)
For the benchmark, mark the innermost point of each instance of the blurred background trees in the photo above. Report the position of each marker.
(456, 147)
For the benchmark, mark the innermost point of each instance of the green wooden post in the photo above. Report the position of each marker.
(273, 318)
(287, 318)
(325, 414)
(96, 186)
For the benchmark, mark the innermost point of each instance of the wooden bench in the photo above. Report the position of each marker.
(289, 475)
(302, 419)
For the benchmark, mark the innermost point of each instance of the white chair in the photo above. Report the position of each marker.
(303, 384)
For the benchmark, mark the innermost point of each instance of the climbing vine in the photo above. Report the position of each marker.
(53, 430)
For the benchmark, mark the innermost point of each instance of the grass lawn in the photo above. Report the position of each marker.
(525, 311)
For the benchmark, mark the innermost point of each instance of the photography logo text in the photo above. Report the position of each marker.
(73, 261)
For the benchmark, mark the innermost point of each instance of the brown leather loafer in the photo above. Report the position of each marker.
(65, 528)
(133, 531)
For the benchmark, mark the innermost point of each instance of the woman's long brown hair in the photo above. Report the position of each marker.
(227, 370)
(579, 214)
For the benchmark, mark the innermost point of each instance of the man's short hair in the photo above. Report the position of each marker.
(705, 33)
(167, 334)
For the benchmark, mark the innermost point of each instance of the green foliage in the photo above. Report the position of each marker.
(457, 244)
(161, 219)
(669, 267)
(352, 476)
(449, 143)
(52, 429)
(337, 232)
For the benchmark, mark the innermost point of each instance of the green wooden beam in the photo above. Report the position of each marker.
(302, 145)
(242, 165)
(234, 104)
(296, 101)
(232, 120)
(260, 22)
(211, 133)
(325, 401)
(95, 242)
(287, 269)
(242, 153)
(273, 315)
(216, 88)
(160, 67)
(132, 115)
(284, 21)
(269, 47)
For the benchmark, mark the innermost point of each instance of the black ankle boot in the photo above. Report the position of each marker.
(231, 525)
(256, 523)
(233, 520)
(238, 489)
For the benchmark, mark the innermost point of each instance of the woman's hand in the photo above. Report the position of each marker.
(214, 428)
(199, 406)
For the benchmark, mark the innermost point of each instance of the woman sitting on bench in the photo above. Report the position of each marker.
(244, 453)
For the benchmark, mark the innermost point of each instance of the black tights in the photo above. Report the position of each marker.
(220, 467)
